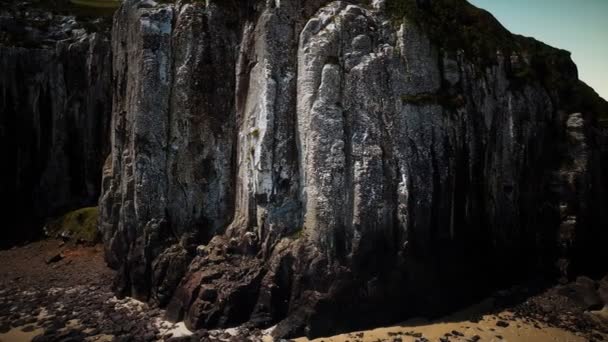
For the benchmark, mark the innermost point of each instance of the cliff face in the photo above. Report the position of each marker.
(290, 161)
(55, 86)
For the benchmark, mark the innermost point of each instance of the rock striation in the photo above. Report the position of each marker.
(55, 90)
(302, 163)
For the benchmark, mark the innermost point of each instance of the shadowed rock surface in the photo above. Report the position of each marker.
(70, 299)
(305, 162)
(55, 91)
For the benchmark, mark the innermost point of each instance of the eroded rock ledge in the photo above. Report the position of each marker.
(306, 162)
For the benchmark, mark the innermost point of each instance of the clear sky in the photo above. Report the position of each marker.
(579, 26)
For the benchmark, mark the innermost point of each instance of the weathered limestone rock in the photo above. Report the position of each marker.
(172, 136)
(303, 163)
(54, 118)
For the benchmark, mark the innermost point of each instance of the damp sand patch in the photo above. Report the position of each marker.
(500, 327)
(19, 335)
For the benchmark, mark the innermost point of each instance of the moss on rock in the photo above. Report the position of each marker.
(77, 225)
(456, 25)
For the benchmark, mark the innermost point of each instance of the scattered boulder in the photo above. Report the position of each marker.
(603, 290)
(502, 324)
(583, 292)
(457, 333)
(28, 328)
(54, 258)
(586, 282)
(413, 334)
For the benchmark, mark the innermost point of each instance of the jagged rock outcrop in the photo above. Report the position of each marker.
(304, 162)
(55, 86)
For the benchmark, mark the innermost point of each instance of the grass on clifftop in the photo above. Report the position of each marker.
(78, 225)
(455, 25)
(590, 101)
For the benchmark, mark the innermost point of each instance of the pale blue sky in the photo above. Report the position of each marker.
(579, 26)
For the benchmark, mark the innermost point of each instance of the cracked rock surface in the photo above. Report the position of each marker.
(302, 163)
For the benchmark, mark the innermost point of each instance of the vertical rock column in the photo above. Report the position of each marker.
(168, 184)
(134, 195)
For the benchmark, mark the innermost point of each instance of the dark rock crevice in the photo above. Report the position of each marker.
(54, 115)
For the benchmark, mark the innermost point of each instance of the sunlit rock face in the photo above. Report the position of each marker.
(55, 91)
(306, 162)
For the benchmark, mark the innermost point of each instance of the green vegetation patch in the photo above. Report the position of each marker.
(586, 100)
(78, 225)
(455, 25)
(297, 234)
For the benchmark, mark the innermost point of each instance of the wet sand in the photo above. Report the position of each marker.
(458, 327)
(70, 298)
(485, 329)
(18, 335)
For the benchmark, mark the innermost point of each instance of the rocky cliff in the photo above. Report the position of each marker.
(55, 91)
(303, 163)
